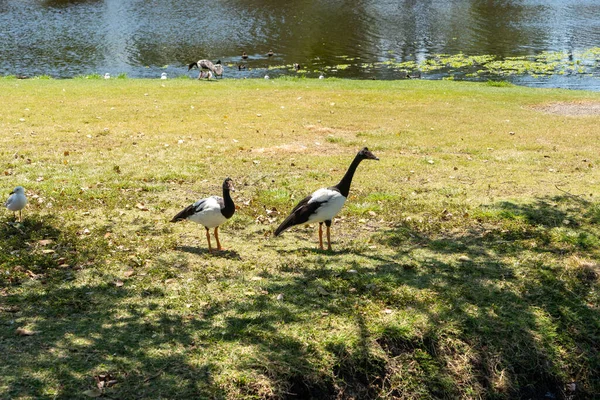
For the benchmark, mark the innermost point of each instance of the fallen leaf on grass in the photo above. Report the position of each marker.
(128, 272)
(142, 207)
(25, 332)
(104, 381)
(322, 291)
(93, 393)
(272, 211)
(118, 283)
(32, 274)
(45, 242)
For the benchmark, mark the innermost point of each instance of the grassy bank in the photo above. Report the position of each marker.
(464, 263)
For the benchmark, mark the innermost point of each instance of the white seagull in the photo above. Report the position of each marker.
(163, 75)
(207, 66)
(17, 201)
(210, 212)
(324, 204)
(107, 76)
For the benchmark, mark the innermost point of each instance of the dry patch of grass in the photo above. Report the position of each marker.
(570, 109)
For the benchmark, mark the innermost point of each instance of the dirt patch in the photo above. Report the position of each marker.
(322, 148)
(570, 109)
(320, 129)
(284, 148)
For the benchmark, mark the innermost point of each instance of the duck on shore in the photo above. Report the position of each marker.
(206, 66)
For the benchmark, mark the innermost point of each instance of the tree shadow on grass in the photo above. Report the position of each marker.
(512, 297)
(487, 312)
(231, 254)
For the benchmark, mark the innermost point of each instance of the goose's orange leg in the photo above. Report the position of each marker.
(208, 239)
(217, 237)
(321, 235)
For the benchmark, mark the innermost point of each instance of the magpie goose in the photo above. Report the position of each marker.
(207, 66)
(16, 201)
(210, 212)
(324, 204)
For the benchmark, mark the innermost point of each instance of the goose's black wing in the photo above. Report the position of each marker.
(192, 209)
(300, 214)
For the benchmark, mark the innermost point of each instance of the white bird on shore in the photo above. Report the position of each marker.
(324, 204)
(17, 201)
(107, 76)
(163, 75)
(207, 66)
(266, 76)
(321, 77)
(210, 212)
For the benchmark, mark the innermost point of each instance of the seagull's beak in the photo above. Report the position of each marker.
(13, 192)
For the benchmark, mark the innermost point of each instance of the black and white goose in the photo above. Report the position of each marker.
(324, 204)
(210, 212)
(208, 67)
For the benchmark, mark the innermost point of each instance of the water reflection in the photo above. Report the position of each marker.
(64, 38)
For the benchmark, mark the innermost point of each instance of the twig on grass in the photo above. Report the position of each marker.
(575, 196)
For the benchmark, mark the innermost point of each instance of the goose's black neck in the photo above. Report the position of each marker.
(344, 185)
(229, 207)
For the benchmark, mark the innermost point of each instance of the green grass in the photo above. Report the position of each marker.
(464, 264)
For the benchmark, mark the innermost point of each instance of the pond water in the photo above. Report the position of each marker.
(552, 43)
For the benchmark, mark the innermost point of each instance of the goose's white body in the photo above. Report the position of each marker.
(17, 200)
(208, 212)
(332, 203)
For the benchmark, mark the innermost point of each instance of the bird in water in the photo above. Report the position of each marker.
(244, 55)
(206, 66)
(324, 204)
(270, 53)
(210, 212)
(17, 201)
